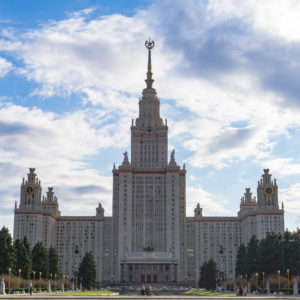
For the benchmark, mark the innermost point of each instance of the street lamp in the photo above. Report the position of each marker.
(263, 279)
(67, 281)
(19, 278)
(288, 276)
(230, 281)
(241, 280)
(256, 276)
(278, 272)
(55, 281)
(100, 276)
(246, 279)
(196, 277)
(9, 272)
(40, 273)
(33, 280)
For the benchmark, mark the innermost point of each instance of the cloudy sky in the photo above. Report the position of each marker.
(227, 73)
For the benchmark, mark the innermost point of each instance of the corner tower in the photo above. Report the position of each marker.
(149, 200)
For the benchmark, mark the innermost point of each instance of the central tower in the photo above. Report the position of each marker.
(149, 200)
(149, 134)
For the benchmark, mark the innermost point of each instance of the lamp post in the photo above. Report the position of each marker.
(40, 284)
(230, 281)
(278, 272)
(196, 277)
(246, 279)
(288, 276)
(67, 281)
(256, 276)
(241, 280)
(33, 280)
(55, 280)
(100, 277)
(19, 281)
(216, 282)
(263, 279)
(50, 280)
(9, 272)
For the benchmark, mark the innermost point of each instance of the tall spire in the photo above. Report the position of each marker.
(149, 81)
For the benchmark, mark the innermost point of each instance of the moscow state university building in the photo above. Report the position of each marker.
(148, 238)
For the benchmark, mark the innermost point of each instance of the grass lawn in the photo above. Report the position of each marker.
(88, 293)
(207, 293)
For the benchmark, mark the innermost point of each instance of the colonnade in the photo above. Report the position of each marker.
(148, 272)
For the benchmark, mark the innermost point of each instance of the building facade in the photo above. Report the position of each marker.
(148, 238)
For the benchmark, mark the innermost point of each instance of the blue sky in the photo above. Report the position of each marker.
(227, 74)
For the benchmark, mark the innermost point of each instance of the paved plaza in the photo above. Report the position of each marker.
(57, 297)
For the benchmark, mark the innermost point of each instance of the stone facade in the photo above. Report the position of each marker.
(148, 238)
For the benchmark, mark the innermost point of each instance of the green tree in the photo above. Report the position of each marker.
(252, 259)
(241, 261)
(23, 257)
(7, 256)
(297, 251)
(87, 270)
(53, 260)
(208, 274)
(291, 249)
(27, 266)
(40, 262)
(271, 254)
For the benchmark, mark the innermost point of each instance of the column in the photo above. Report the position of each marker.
(164, 273)
(126, 272)
(151, 272)
(133, 273)
(172, 270)
(140, 273)
(122, 272)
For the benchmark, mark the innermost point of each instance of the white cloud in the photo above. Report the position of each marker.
(279, 18)
(5, 67)
(290, 198)
(282, 166)
(57, 146)
(220, 110)
(210, 204)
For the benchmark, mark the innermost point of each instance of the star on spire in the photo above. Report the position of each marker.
(149, 81)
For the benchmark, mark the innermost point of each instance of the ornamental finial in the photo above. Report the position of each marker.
(149, 45)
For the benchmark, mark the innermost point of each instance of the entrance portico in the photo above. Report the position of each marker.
(149, 267)
(148, 272)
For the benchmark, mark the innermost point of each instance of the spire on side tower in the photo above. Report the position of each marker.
(149, 81)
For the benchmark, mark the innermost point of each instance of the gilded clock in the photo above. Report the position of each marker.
(268, 190)
(29, 189)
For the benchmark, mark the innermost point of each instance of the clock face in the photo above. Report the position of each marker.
(29, 189)
(269, 190)
(149, 130)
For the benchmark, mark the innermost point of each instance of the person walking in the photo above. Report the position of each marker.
(143, 290)
(30, 288)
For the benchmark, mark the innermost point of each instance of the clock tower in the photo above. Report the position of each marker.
(267, 192)
(31, 191)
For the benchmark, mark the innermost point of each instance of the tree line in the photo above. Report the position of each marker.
(20, 258)
(276, 252)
